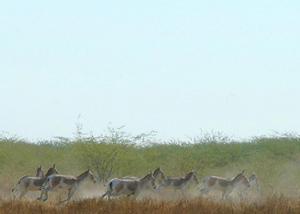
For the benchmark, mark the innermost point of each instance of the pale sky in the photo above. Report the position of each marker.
(176, 67)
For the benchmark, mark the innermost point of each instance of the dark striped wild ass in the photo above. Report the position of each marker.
(226, 186)
(179, 183)
(28, 183)
(129, 187)
(70, 183)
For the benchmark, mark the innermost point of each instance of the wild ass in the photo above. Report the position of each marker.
(243, 190)
(226, 186)
(158, 174)
(27, 183)
(129, 187)
(70, 183)
(179, 183)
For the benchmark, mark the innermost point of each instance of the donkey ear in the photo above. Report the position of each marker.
(53, 165)
(243, 172)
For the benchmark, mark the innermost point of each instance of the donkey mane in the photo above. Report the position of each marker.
(156, 171)
(146, 176)
(51, 171)
(82, 175)
(189, 175)
(236, 178)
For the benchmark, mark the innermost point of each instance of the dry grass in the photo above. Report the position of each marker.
(271, 205)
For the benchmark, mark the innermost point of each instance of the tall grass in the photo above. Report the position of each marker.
(268, 206)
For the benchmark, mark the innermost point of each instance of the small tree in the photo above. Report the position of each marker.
(104, 165)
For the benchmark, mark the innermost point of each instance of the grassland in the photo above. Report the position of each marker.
(275, 160)
(270, 206)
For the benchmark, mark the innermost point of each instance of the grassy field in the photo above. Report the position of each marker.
(270, 206)
(275, 160)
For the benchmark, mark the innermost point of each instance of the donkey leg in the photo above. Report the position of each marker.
(204, 191)
(159, 188)
(183, 192)
(41, 195)
(44, 196)
(70, 194)
(16, 192)
(242, 195)
(22, 194)
(14, 195)
(107, 193)
(132, 195)
(225, 195)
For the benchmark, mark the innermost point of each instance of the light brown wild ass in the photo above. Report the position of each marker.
(129, 187)
(179, 183)
(226, 186)
(243, 190)
(158, 174)
(70, 183)
(27, 183)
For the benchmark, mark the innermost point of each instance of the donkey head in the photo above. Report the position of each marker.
(51, 171)
(91, 176)
(253, 178)
(159, 175)
(149, 181)
(254, 182)
(191, 176)
(195, 179)
(241, 178)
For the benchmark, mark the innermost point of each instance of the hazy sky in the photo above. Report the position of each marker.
(176, 67)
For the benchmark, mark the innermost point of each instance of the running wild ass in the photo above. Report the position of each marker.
(158, 174)
(243, 190)
(179, 183)
(129, 187)
(226, 186)
(27, 183)
(70, 183)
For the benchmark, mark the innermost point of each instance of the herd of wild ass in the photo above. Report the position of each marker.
(131, 186)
